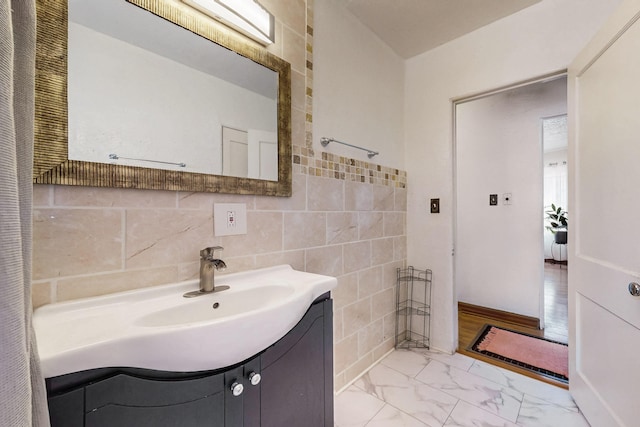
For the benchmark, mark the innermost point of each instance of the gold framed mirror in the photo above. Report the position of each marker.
(52, 164)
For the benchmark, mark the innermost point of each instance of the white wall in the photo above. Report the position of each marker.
(535, 41)
(499, 257)
(134, 103)
(358, 88)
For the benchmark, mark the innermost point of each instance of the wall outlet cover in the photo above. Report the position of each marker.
(229, 219)
(493, 199)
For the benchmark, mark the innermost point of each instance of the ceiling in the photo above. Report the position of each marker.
(411, 27)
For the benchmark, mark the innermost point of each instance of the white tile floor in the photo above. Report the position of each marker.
(418, 388)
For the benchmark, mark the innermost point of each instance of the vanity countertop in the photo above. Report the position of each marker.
(157, 328)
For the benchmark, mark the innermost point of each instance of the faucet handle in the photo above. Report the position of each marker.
(207, 253)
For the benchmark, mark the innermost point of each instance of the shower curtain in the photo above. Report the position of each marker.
(22, 394)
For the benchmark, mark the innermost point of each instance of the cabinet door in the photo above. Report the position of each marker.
(297, 374)
(125, 401)
(67, 409)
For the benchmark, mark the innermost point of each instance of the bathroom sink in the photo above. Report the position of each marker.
(217, 306)
(157, 328)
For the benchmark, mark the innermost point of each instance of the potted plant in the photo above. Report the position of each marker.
(557, 218)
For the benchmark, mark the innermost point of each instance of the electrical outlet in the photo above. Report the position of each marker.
(229, 219)
(507, 199)
(493, 200)
(435, 205)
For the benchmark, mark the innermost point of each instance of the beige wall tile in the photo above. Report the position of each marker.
(390, 273)
(357, 256)
(347, 290)
(298, 90)
(400, 201)
(369, 282)
(237, 264)
(358, 197)
(205, 201)
(327, 194)
(304, 230)
(342, 227)
(40, 293)
(369, 337)
(189, 271)
(264, 234)
(76, 241)
(383, 198)
(90, 286)
(384, 348)
(293, 49)
(394, 223)
(345, 353)
(359, 367)
(325, 260)
(382, 251)
(298, 127)
(383, 303)
(370, 225)
(164, 237)
(356, 316)
(42, 195)
(400, 248)
(338, 333)
(297, 202)
(64, 195)
(389, 326)
(339, 381)
(293, 258)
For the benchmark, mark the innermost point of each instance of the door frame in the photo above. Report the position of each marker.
(454, 104)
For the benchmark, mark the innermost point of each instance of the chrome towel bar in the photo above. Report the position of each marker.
(325, 141)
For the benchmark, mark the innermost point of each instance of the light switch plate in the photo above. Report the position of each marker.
(435, 205)
(229, 219)
(507, 199)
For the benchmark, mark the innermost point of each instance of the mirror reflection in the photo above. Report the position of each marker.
(145, 92)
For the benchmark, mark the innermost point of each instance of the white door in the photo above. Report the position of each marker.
(604, 223)
(263, 154)
(235, 152)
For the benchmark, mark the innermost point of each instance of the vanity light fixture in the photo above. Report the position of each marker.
(245, 16)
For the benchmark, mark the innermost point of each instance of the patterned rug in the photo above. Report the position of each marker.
(542, 356)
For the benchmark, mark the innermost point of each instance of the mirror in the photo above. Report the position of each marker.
(97, 125)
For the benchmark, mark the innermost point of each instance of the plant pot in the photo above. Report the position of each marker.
(561, 237)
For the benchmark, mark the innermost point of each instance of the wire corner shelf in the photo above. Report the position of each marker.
(413, 308)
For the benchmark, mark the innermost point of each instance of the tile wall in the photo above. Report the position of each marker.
(346, 218)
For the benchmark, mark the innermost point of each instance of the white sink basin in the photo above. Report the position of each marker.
(157, 328)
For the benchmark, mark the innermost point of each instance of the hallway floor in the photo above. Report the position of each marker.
(417, 388)
(556, 302)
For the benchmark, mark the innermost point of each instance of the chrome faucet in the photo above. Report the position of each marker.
(208, 266)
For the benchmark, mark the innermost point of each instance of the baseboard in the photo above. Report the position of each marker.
(504, 316)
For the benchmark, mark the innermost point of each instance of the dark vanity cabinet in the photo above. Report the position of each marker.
(288, 384)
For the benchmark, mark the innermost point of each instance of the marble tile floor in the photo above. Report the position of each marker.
(417, 388)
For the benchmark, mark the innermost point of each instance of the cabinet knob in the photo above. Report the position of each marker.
(237, 388)
(255, 378)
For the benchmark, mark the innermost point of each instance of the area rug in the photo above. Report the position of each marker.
(545, 357)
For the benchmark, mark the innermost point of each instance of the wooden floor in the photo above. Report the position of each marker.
(469, 325)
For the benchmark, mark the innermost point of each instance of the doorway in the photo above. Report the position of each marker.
(556, 196)
(499, 175)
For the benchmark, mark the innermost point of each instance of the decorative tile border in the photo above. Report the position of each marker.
(332, 165)
(345, 168)
(309, 76)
